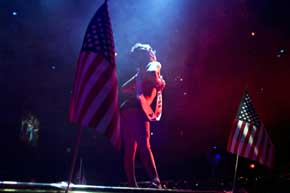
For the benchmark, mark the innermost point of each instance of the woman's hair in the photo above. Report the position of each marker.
(142, 54)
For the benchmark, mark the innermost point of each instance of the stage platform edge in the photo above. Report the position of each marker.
(32, 187)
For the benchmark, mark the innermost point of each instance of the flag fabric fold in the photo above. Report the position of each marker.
(248, 137)
(94, 101)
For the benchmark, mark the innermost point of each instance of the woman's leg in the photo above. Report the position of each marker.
(130, 146)
(129, 163)
(146, 155)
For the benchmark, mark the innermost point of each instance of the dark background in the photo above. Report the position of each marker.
(209, 57)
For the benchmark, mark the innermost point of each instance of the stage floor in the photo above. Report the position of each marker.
(26, 187)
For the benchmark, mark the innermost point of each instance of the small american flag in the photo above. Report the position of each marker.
(248, 137)
(94, 101)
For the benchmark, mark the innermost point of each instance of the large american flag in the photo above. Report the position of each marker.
(248, 137)
(94, 102)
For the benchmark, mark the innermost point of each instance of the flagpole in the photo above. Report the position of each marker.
(235, 175)
(76, 150)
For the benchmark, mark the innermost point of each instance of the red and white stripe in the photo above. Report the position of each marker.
(251, 142)
(94, 101)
